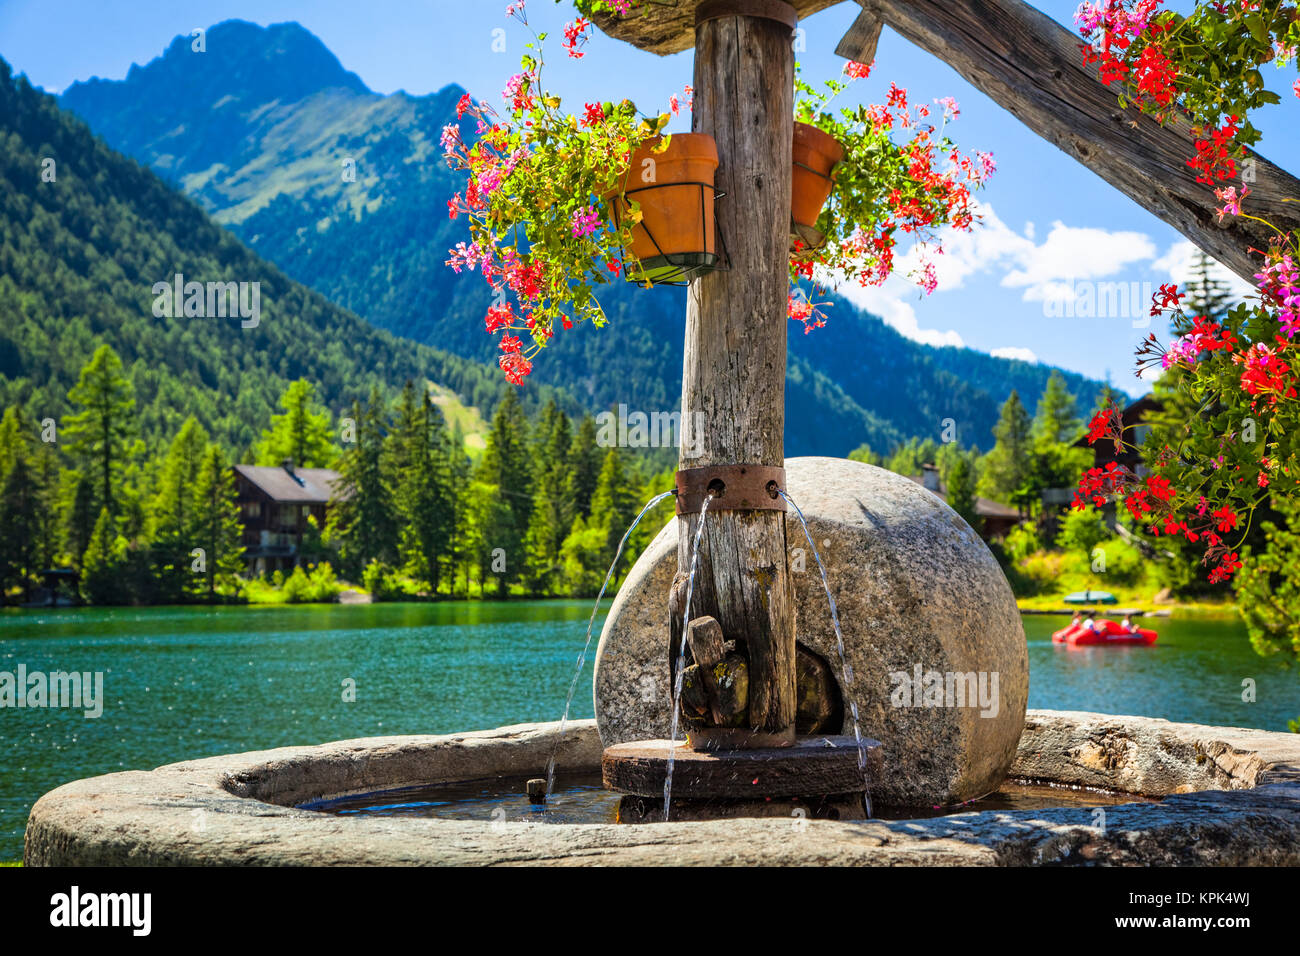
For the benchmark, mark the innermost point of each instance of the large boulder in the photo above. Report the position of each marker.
(918, 593)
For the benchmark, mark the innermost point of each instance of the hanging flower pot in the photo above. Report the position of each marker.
(675, 239)
(814, 155)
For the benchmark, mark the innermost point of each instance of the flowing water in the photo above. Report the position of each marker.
(847, 688)
(591, 623)
(681, 656)
(187, 682)
(580, 798)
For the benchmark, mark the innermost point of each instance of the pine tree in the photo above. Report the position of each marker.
(420, 476)
(301, 433)
(20, 524)
(78, 516)
(488, 523)
(361, 520)
(1207, 294)
(11, 439)
(101, 431)
(216, 527)
(1056, 421)
(613, 506)
(103, 562)
(173, 510)
(961, 491)
(553, 508)
(1008, 466)
(506, 464)
(586, 458)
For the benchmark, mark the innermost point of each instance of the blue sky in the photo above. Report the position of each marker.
(1049, 222)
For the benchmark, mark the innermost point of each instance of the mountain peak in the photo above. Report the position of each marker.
(241, 62)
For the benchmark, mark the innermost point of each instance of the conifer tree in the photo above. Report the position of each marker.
(361, 520)
(1056, 421)
(586, 458)
(553, 508)
(103, 562)
(613, 506)
(102, 430)
(301, 433)
(1008, 466)
(420, 476)
(506, 464)
(216, 527)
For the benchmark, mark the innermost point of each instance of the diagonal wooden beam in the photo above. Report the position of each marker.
(1031, 65)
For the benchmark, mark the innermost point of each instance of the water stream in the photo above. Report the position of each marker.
(591, 623)
(681, 656)
(847, 689)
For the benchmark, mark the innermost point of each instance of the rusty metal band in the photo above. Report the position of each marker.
(777, 10)
(734, 487)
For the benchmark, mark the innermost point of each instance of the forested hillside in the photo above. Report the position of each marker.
(346, 190)
(84, 236)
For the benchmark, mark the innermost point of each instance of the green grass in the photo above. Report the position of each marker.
(14, 863)
(1042, 579)
(467, 417)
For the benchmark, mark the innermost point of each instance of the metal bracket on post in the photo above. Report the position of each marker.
(734, 488)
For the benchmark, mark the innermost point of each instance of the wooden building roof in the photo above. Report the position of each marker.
(297, 486)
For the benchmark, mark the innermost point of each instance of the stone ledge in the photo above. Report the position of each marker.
(237, 809)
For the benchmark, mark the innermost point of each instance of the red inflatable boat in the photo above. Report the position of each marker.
(1107, 632)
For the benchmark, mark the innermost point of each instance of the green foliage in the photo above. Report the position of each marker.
(1021, 541)
(80, 256)
(103, 562)
(1007, 469)
(317, 586)
(217, 528)
(961, 490)
(377, 247)
(863, 453)
(1081, 531)
(101, 430)
(1268, 589)
(300, 434)
(382, 581)
(361, 517)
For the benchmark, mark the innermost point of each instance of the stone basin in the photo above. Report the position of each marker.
(1231, 796)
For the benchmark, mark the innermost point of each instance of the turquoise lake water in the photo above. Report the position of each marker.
(191, 682)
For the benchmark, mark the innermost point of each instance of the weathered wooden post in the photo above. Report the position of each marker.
(733, 385)
(733, 375)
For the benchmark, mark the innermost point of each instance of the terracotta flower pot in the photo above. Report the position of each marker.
(675, 238)
(814, 154)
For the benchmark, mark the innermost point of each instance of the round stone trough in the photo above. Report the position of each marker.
(931, 629)
(1231, 797)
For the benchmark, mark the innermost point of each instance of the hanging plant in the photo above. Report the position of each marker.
(1206, 477)
(896, 173)
(544, 199)
(1206, 66)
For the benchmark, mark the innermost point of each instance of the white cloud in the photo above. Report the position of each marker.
(889, 302)
(1179, 262)
(1015, 352)
(1073, 252)
(1044, 271)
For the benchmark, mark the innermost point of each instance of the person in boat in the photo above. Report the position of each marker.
(1090, 622)
(1127, 624)
(1076, 620)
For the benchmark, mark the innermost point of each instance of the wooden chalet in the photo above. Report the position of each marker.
(276, 503)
